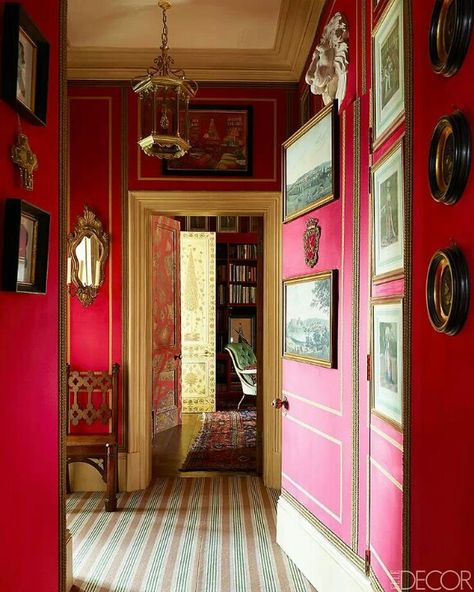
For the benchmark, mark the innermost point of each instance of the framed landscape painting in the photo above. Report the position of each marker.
(310, 311)
(221, 143)
(310, 164)
(387, 359)
(388, 71)
(388, 215)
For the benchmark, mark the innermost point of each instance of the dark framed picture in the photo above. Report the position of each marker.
(25, 251)
(227, 224)
(242, 329)
(388, 71)
(447, 290)
(197, 223)
(221, 143)
(450, 158)
(310, 164)
(25, 65)
(388, 215)
(310, 319)
(450, 34)
(387, 384)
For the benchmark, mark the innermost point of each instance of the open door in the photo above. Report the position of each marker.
(166, 319)
(198, 294)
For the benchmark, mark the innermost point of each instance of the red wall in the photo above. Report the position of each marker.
(29, 360)
(442, 476)
(103, 145)
(95, 170)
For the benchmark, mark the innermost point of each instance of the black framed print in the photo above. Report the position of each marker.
(25, 65)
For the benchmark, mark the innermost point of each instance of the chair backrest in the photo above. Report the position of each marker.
(93, 397)
(243, 354)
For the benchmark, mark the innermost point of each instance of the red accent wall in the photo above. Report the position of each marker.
(29, 359)
(97, 159)
(95, 170)
(442, 476)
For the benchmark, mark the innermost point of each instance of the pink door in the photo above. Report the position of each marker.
(166, 318)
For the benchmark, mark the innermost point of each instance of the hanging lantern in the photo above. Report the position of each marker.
(164, 95)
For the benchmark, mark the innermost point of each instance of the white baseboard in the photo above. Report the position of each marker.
(319, 560)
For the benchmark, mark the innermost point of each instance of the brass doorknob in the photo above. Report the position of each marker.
(279, 403)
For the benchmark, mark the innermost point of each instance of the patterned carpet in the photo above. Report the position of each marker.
(182, 535)
(226, 442)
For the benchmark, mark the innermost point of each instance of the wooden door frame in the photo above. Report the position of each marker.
(141, 204)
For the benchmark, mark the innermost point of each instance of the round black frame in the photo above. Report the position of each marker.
(456, 125)
(449, 64)
(452, 258)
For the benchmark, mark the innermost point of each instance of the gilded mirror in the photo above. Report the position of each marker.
(88, 249)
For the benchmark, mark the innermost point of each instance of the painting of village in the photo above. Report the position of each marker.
(309, 319)
(309, 167)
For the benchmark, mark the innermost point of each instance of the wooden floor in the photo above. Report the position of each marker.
(170, 449)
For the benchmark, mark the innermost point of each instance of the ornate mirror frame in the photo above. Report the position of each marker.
(87, 225)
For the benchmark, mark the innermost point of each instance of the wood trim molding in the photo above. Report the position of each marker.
(284, 62)
(180, 203)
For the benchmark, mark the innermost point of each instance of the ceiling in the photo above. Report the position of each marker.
(249, 40)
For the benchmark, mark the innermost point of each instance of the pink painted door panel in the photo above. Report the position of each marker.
(166, 319)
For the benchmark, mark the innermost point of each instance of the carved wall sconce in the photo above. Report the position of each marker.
(88, 249)
(25, 159)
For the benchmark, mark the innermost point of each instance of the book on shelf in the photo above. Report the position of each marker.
(243, 251)
(239, 294)
(242, 273)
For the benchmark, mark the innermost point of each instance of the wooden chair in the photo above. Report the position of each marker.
(93, 397)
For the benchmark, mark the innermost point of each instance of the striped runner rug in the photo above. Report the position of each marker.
(182, 535)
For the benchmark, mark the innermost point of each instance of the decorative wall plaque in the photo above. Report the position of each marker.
(447, 290)
(311, 237)
(327, 73)
(25, 159)
(450, 33)
(450, 158)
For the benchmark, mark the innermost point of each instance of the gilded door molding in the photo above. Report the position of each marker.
(198, 316)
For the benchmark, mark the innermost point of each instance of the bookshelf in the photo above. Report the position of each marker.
(236, 300)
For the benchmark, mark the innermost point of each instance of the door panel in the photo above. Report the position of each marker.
(198, 296)
(166, 318)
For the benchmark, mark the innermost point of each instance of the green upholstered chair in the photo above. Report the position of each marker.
(244, 361)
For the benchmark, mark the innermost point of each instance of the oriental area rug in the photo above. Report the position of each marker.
(226, 442)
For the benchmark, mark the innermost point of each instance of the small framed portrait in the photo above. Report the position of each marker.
(450, 158)
(242, 329)
(228, 224)
(387, 384)
(310, 164)
(25, 65)
(310, 318)
(197, 223)
(450, 33)
(447, 290)
(388, 71)
(388, 215)
(25, 254)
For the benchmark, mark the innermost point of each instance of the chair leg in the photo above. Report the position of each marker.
(240, 402)
(111, 493)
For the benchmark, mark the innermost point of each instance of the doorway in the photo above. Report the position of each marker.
(142, 205)
(205, 392)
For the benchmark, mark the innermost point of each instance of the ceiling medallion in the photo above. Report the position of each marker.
(327, 73)
(311, 237)
(164, 94)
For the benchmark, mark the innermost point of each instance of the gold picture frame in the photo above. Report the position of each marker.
(310, 319)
